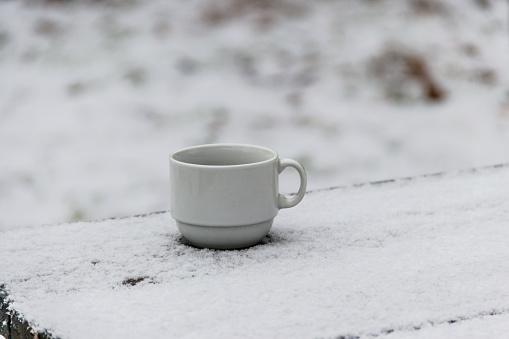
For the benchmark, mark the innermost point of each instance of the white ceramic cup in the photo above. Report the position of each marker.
(226, 196)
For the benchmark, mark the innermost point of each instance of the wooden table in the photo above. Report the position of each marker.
(415, 257)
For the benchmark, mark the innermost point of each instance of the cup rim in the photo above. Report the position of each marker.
(205, 146)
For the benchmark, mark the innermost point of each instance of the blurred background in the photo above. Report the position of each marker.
(94, 95)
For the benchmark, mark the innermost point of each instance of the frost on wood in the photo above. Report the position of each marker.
(406, 255)
(12, 324)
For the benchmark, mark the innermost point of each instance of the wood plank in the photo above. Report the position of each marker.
(12, 324)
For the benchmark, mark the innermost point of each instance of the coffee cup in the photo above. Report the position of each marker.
(225, 196)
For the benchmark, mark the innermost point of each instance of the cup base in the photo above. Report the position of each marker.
(225, 238)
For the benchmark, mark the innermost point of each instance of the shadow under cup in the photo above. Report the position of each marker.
(226, 196)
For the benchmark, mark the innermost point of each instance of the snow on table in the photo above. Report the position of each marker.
(420, 257)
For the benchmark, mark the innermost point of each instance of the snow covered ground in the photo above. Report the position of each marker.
(94, 96)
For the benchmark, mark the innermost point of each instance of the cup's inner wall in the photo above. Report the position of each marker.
(224, 155)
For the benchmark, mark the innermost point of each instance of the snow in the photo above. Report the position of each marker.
(95, 96)
(420, 257)
(495, 326)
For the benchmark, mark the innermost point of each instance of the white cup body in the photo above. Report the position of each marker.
(224, 185)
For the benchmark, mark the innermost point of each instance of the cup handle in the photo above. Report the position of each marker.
(284, 202)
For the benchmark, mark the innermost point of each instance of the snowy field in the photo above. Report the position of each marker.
(94, 96)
